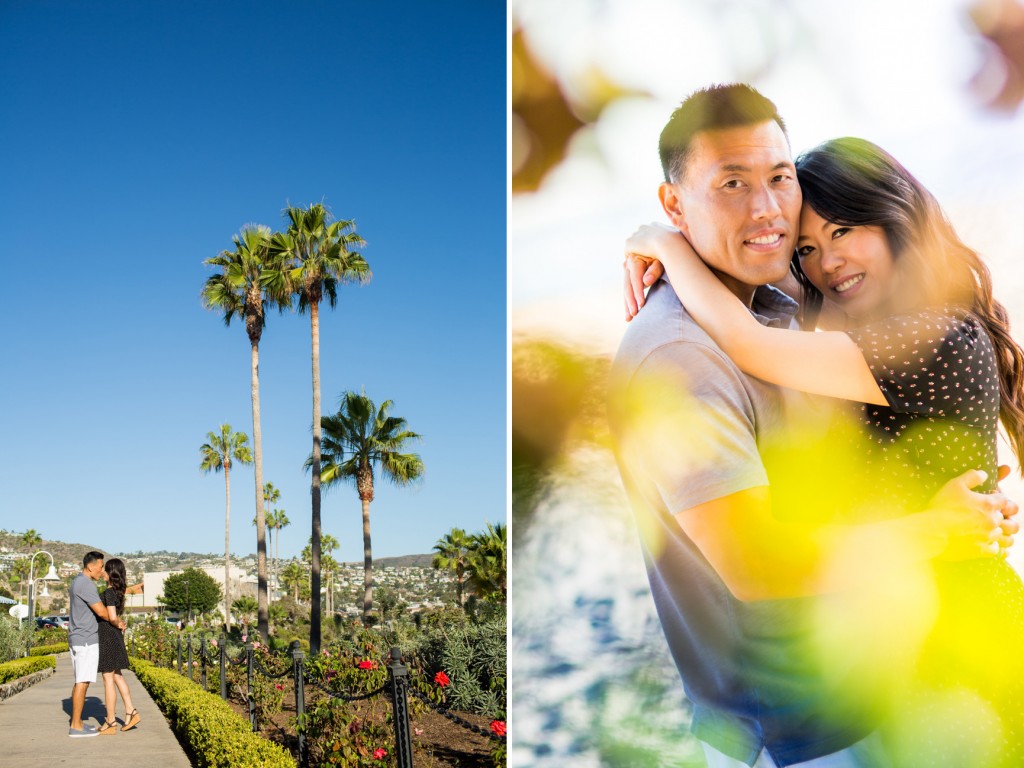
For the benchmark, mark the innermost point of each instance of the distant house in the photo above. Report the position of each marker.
(153, 587)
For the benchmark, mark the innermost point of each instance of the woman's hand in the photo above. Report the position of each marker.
(642, 267)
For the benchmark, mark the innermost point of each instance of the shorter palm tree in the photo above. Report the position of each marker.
(452, 554)
(293, 577)
(370, 437)
(217, 454)
(488, 563)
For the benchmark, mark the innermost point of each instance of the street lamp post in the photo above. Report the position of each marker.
(51, 575)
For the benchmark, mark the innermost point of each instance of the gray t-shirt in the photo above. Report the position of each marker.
(84, 623)
(690, 427)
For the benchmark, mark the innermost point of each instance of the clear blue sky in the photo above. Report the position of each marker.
(135, 139)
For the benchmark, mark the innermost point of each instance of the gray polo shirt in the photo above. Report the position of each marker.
(690, 427)
(84, 623)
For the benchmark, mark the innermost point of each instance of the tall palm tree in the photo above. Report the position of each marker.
(320, 254)
(219, 453)
(452, 554)
(31, 540)
(244, 286)
(370, 437)
(328, 565)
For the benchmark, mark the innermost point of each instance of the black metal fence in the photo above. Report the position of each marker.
(397, 686)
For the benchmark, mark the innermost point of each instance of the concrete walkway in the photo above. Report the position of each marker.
(34, 727)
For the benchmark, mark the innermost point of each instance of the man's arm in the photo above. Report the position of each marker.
(101, 613)
(761, 558)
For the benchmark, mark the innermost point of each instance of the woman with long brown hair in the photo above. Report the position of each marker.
(113, 654)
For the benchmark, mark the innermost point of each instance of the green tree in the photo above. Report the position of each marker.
(452, 553)
(280, 521)
(31, 540)
(328, 565)
(246, 607)
(216, 455)
(294, 577)
(244, 286)
(318, 254)
(371, 438)
(191, 591)
(488, 563)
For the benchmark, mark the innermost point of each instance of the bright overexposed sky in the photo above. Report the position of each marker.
(135, 139)
(898, 74)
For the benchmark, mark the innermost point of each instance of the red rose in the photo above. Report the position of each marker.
(498, 727)
(367, 664)
(379, 754)
(441, 679)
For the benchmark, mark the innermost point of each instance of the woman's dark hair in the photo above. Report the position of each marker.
(854, 183)
(117, 580)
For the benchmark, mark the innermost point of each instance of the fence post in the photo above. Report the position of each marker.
(179, 651)
(202, 660)
(300, 701)
(399, 674)
(248, 692)
(223, 666)
(190, 675)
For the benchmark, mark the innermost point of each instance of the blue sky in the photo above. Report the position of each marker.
(135, 139)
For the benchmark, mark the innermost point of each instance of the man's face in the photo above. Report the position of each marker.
(738, 203)
(94, 569)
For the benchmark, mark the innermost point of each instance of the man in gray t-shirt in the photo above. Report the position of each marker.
(83, 637)
(735, 577)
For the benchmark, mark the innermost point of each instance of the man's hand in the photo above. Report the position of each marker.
(974, 524)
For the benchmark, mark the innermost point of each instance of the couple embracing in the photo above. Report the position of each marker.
(817, 503)
(97, 643)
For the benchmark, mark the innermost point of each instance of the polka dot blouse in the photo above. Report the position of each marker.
(936, 369)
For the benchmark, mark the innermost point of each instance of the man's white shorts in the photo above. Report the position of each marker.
(84, 660)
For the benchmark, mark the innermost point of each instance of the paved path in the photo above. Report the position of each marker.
(34, 727)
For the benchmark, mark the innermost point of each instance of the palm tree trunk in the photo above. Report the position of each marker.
(263, 620)
(367, 563)
(227, 545)
(314, 616)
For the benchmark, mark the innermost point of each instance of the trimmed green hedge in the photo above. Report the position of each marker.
(12, 670)
(47, 650)
(216, 734)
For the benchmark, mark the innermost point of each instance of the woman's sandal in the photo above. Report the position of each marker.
(108, 728)
(131, 719)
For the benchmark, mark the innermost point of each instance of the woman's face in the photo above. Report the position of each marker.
(853, 267)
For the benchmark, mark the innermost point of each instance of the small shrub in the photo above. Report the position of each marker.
(12, 670)
(13, 638)
(217, 736)
(48, 650)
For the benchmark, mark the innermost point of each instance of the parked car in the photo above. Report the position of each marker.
(42, 622)
(61, 621)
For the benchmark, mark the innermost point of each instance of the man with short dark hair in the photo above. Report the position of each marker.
(83, 637)
(739, 583)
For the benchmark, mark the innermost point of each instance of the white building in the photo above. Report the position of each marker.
(153, 587)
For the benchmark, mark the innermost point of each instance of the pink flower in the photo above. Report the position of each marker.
(278, 686)
(367, 664)
(418, 731)
(255, 644)
(379, 754)
(441, 679)
(498, 727)
(213, 642)
(244, 638)
(195, 663)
